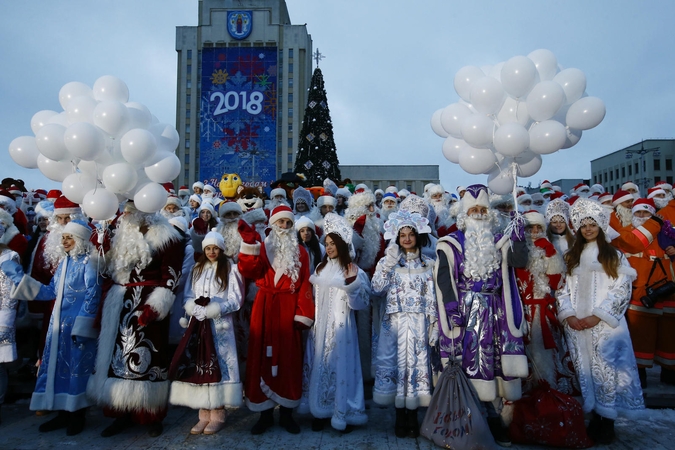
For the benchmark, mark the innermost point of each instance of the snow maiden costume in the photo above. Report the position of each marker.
(332, 380)
(70, 349)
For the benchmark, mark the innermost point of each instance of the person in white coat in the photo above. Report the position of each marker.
(217, 278)
(332, 386)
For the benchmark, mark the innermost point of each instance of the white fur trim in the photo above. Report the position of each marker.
(515, 366)
(383, 399)
(135, 395)
(161, 300)
(183, 322)
(506, 290)
(250, 249)
(213, 311)
(606, 317)
(84, 326)
(27, 289)
(510, 390)
(486, 389)
(189, 306)
(451, 332)
(303, 320)
(555, 265)
(206, 396)
(11, 231)
(254, 215)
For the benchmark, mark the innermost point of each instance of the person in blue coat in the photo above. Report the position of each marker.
(70, 348)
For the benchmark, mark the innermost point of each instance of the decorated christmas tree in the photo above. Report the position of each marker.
(317, 158)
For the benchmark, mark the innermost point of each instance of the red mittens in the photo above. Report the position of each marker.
(247, 232)
(544, 243)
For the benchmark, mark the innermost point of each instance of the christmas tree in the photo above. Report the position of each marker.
(317, 158)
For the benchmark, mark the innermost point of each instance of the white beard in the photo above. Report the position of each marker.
(624, 214)
(53, 250)
(639, 221)
(636, 195)
(283, 252)
(129, 249)
(537, 266)
(371, 246)
(168, 215)
(481, 257)
(231, 236)
(274, 203)
(660, 202)
(386, 210)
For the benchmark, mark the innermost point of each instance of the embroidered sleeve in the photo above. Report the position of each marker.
(235, 289)
(564, 302)
(612, 308)
(358, 292)
(381, 278)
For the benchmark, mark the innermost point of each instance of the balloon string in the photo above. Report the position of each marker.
(517, 221)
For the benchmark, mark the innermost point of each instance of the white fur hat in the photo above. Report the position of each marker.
(630, 185)
(173, 200)
(277, 191)
(79, 229)
(533, 217)
(209, 188)
(326, 200)
(226, 207)
(196, 198)
(179, 222)
(303, 222)
(391, 189)
(344, 192)
(207, 206)
(213, 238)
(197, 184)
(6, 218)
(403, 193)
(254, 216)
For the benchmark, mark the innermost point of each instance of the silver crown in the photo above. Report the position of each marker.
(415, 204)
(589, 209)
(335, 223)
(404, 218)
(558, 207)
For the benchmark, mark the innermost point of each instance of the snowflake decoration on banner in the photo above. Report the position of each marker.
(323, 136)
(308, 165)
(219, 77)
(326, 165)
(312, 104)
(310, 137)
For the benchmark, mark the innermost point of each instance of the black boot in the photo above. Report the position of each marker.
(642, 373)
(120, 424)
(606, 434)
(155, 429)
(58, 422)
(412, 424)
(594, 425)
(76, 422)
(668, 376)
(400, 427)
(286, 420)
(318, 424)
(265, 421)
(499, 433)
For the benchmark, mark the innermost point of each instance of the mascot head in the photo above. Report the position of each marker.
(250, 198)
(229, 185)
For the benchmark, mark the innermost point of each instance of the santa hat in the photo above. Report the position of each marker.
(558, 207)
(180, 223)
(78, 228)
(391, 188)
(360, 188)
(183, 190)
(304, 222)
(630, 185)
(390, 195)
(379, 191)
(53, 195)
(546, 185)
(460, 189)
(227, 207)
(644, 204)
(41, 193)
(533, 217)
(537, 196)
(277, 191)
(581, 187)
(197, 184)
(168, 187)
(15, 190)
(7, 198)
(281, 212)
(557, 194)
(173, 200)
(600, 189)
(45, 208)
(196, 198)
(522, 198)
(572, 200)
(64, 206)
(344, 192)
(476, 195)
(621, 196)
(653, 192)
(435, 189)
(213, 238)
(326, 200)
(403, 193)
(6, 219)
(556, 188)
(606, 197)
(664, 185)
(428, 186)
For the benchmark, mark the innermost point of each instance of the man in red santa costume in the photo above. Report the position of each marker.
(131, 374)
(283, 307)
(9, 204)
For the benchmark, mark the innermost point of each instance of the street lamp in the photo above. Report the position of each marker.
(643, 181)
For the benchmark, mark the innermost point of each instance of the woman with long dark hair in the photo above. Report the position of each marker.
(307, 238)
(558, 230)
(332, 381)
(592, 306)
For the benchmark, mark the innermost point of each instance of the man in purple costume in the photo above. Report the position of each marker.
(479, 310)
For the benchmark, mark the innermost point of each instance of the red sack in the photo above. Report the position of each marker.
(196, 360)
(549, 417)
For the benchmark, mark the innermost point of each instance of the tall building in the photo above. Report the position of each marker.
(243, 76)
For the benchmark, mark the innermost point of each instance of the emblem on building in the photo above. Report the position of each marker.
(239, 24)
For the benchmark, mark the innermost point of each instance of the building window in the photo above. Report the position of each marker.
(290, 158)
(290, 98)
(290, 68)
(409, 187)
(189, 68)
(290, 82)
(611, 175)
(188, 99)
(669, 164)
(669, 179)
(189, 84)
(623, 172)
(187, 113)
(657, 179)
(189, 54)
(290, 142)
(657, 164)
(605, 177)
(186, 174)
(290, 127)
(290, 52)
(630, 170)
(617, 174)
(637, 168)
(376, 186)
(187, 143)
(187, 158)
(290, 112)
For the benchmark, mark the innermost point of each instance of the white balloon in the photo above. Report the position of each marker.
(166, 135)
(573, 136)
(139, 115)
(111, 88)
(511, 139)
(452, 147)
(60, 119)
(71, 90)
(487, 95)
(54, 170)
(119, 178)
(92, 168)
(40, 118)
(476, 160)
(112, 117)
(436, 124)
(545, 100)
(464, 78)
(547, 137)
(84, 140)
(81, 109)
(100, 204)
(518, 76)
(452, 117)
(24, 151)
(545, 62)
(150, 198)
(164, 170)
(586, 113)
(513, 111)
(573, 82)
(49, 140)
(529, 163)
(137, 146)
(77, 184)
(477, 131)
(500, 181)
(496, 71)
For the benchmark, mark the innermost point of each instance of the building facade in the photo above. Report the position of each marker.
(243, 76)
(644, 163)
(412, 178)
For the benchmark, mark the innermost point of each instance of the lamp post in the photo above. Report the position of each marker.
(643, 181)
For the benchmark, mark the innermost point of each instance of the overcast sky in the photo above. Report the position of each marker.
(389, 65)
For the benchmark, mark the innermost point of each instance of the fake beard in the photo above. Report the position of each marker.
(537, 266)
(639, 221)
(481, 257)
(53, 252)
(282, 250)
(276, 202)
(660, 202)
(231, 236)
(386, 210)
(624, 214)
(129, 249)
(371, 246)
(168, 215)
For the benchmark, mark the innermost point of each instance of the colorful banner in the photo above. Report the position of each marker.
(238, 116)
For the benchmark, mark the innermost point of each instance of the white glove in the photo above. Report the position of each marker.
(199, 313)
(391, 256)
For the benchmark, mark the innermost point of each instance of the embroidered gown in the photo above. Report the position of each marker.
(332, 383)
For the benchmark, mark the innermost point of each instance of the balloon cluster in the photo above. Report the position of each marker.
(102, 147)
(512, 113)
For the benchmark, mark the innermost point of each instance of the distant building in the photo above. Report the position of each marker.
(243, 76)
(566, 185)
(412, 178)
(644, 163)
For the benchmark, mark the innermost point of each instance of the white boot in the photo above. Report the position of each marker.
(217, 421)
(204, 417)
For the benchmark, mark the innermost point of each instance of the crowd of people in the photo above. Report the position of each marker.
(316, 303)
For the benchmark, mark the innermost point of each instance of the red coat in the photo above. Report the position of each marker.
(280, 313)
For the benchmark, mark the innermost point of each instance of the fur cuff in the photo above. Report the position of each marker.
(84, 326)
(515, 366)
(161, 300)
(303, 320)
(189, 307)
(27, 289)
(606, 317)
(250, 249)
(510, 390)
(213, 310)
(555, 265)
(486, 389)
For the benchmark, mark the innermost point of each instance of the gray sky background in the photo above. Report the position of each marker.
(389, 65)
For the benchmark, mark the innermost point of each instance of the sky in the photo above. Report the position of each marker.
(388, 66)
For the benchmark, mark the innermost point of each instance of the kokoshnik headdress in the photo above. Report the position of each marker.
(402, 219)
